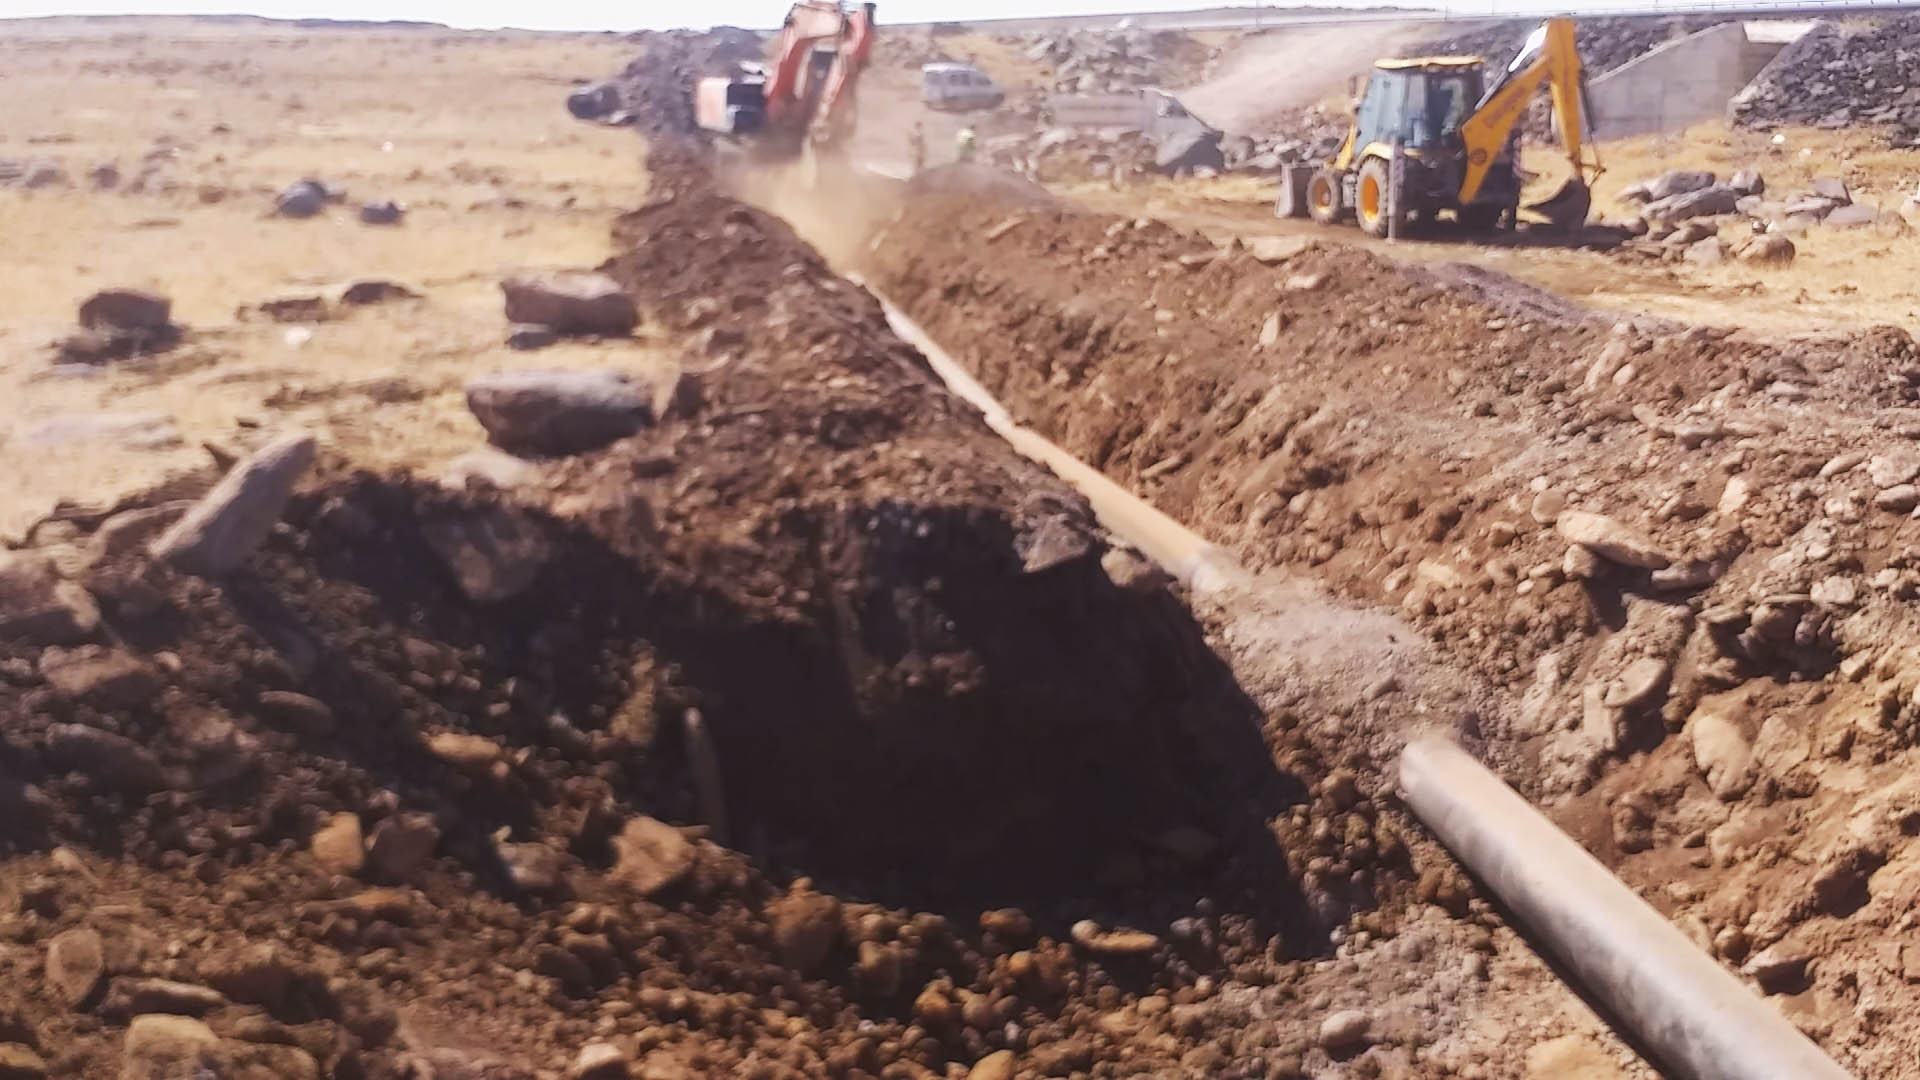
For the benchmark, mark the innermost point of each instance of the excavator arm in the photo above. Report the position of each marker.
(810, 24)
(835, 111)
(1549, 56)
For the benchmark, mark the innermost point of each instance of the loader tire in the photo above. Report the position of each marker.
(1323, 197)
(1371, 198)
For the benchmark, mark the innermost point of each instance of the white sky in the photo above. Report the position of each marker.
(657, 14)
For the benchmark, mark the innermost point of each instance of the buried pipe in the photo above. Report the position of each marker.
(1699, 1021)
(1189, 558)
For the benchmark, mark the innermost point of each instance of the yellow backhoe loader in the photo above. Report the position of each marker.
(1456, 141)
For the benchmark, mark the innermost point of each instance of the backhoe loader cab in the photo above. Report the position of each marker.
(1457, 140)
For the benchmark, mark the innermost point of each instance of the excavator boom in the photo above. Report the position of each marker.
(810, 25)
(1549, 56)
(804, 98)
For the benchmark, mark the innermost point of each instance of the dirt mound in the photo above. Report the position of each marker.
(1605, 43)
(1313, 403)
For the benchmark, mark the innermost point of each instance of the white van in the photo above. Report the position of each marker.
(951, 87)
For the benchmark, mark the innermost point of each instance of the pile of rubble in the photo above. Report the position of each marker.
(1680, 215)
(1840, 75)
(1057, 154)
(1310, 133)
(1078, 62)
(1093, 62)
(1605, 43)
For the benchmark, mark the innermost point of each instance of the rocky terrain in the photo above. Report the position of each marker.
(1606, 42)
(1840, 74)
(750, 710)
(1645, 552)
(534, 617)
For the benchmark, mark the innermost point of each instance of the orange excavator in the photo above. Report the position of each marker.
(800, 104)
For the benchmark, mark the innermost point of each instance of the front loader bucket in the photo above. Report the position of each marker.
(1568, 207)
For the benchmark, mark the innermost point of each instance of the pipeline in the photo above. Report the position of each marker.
(1698, 1020)
(1679, 1003)
(1190, 559)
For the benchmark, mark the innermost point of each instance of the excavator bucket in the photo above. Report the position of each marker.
(1567, 208)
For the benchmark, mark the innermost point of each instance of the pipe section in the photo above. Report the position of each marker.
(1195, 563)
(1698, 1021)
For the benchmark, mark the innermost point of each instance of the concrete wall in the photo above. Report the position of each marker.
(1681, 83)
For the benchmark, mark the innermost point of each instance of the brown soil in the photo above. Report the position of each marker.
(1391, 440)
(951, 719)
(947, 731)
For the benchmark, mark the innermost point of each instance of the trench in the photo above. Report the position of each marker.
(1189, 558)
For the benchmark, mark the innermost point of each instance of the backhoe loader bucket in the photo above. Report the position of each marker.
(1567, 208)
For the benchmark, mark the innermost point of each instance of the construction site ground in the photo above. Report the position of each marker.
(812, 730)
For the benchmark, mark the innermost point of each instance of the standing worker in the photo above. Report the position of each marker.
(963, 144)
(917, 146)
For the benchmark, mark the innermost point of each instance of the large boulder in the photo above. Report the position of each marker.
(1852, 215)
(126, 309)
(1610, 539)
(223, 528)
(571, 302)
(301, 199)
(1768, 249)
(1703, 202)
(383, 212)
(558, 412)
(1831, 189)
(594, 102)
(1667, 185)
(1187, 151)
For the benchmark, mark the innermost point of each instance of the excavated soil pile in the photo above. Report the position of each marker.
(1684, 555)
(442, 782)
(1391, 428)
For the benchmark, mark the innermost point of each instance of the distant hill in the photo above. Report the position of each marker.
(40, 21)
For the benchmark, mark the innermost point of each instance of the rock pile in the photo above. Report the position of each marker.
(1840, 75)
(1093, 62)
(1057, 153)
(1681, 212)
(1605, 43)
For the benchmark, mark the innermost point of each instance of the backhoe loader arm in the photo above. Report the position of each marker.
(1551, 56)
